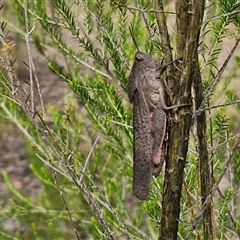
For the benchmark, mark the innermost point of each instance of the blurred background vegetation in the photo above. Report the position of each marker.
(66, 162)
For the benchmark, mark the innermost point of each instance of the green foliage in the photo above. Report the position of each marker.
(223, 216)
(84, 162)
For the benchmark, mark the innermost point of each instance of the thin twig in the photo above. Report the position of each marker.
(145, 10)
(77, 59)
(221, 16)
(163, 31)
(222, 143)
(41, 149)
(27, 36)
(107, 205)
(65, 204)
(87, 159)
(217, 77)
(145, 20)
(32, 69)
(216, 106)
(91, 203)
(122, 124)
(16, 122)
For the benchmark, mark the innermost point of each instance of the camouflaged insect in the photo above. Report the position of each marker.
(146, 93)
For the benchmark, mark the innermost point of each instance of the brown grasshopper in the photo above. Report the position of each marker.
(146, 93)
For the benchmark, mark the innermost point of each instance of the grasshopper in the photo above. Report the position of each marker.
(146, 93)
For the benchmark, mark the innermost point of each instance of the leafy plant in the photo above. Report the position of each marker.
(81, 153)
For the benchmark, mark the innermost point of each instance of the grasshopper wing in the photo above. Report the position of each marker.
(142, 151)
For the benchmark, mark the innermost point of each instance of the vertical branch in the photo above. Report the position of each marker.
(204, 165)
(163, 31)
(182, 24)
(189, 15)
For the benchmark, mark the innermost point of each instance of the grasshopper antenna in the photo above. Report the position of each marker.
(133, 38)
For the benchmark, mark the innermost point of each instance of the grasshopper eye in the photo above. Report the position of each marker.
(139, 58)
